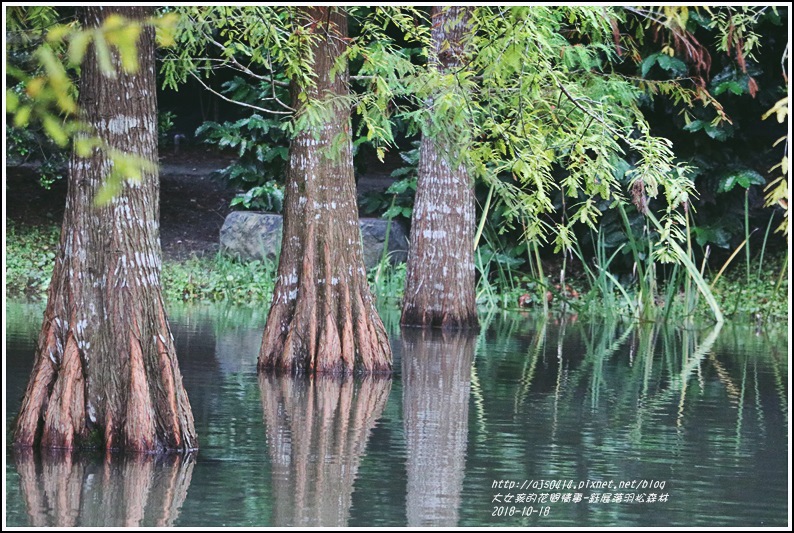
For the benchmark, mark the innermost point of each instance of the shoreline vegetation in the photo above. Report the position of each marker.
(619, 163)
(758, 297)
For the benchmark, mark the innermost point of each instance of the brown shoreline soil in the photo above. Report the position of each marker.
(193, 204)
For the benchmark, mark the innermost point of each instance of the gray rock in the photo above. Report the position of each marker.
(373, 237)
(250, 235)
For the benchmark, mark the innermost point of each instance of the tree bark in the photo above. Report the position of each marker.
(106, 372)
(439, 285)
(317, 432)
(322, 318)
(436, 386)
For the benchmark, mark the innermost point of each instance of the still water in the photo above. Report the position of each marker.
(529, 423)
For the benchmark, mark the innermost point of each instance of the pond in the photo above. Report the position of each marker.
(530, 423)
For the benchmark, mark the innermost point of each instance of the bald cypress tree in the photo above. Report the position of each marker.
(105, 371)
(322, 318)
(439, 284)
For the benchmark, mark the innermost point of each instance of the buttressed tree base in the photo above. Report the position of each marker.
(106, 373)
(322, 318)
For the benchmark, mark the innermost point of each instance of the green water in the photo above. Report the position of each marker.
(525, 424)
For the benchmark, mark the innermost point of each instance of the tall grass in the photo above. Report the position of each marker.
(647, 297)
(747, 230)
(384, 262)
(763, 245)
(387, 282)
(603, 283)
(693, 273)
(644, 270)
(533, 254)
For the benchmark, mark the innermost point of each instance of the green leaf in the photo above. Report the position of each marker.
(22, 116)
(647, 63)
(126, 41)
(78, 46)
(750, 177)
(12, 101)
(55, 130)
(108, 190)
(400, 186)
(673, 65)
(718, 133)
(58, 32)
(165, 27)
(716, 235)
(695, 125)
(743, 178)
(83, 146)
(730, 85)
(103, 54)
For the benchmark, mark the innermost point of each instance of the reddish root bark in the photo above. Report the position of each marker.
(65, 414)
(170, 391)
(35, 401)
(341, 342)
(140, 428)
(154, 414)
(327, 330)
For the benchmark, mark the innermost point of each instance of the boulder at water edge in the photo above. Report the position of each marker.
(250, 235)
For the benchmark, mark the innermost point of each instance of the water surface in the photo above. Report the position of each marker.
(525, 424)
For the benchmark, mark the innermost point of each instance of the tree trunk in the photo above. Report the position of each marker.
(322, 318)
(317, 432)
(439, 285)
(436, 385)
(106, 372)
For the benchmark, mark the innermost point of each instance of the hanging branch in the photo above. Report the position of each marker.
(246, 70)
(575, 102)
(227, 99)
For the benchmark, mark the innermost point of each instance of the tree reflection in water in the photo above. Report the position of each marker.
(317, 431)
(77, 489)
(436, 376)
